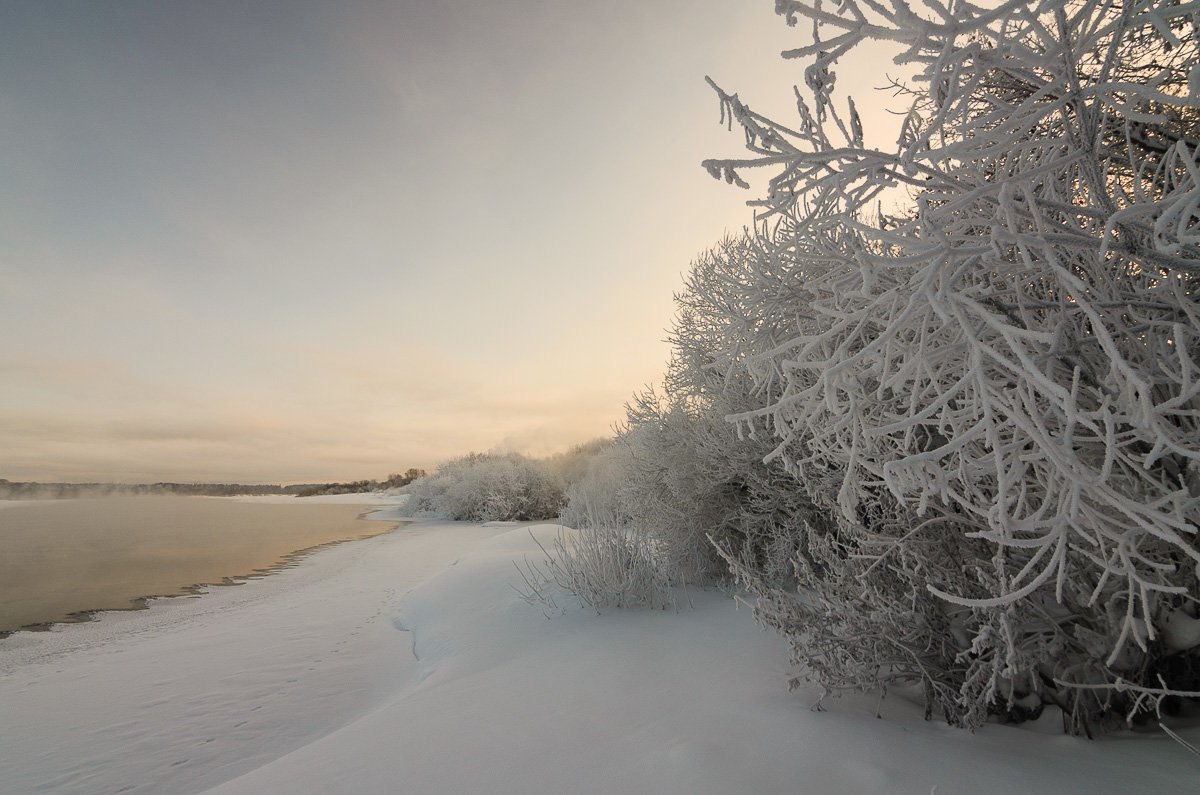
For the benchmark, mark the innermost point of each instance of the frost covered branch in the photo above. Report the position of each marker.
(1015, 359)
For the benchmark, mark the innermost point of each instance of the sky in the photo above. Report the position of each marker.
(300, 241)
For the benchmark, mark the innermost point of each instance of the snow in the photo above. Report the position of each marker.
(409, 662)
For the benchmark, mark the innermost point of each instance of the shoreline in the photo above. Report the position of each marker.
(378, 504)
(194, 692)
(196, 590)
(410, 661)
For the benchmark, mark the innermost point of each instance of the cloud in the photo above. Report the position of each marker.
(285, 444)
(60, 377)
(365, 240)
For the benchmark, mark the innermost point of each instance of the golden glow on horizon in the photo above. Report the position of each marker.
(355, 239)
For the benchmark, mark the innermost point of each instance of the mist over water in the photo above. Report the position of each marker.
(61, 557)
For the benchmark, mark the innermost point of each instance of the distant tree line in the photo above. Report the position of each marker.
(18, 490)
(393, 481)
(15, 490)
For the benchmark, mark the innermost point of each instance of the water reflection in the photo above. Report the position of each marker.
(61, 557)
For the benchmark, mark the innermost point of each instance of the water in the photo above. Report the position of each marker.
(63, 558)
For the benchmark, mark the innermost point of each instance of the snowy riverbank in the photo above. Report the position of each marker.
(408, 662)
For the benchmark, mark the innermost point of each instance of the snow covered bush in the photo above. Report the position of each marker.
(995, 392)
(605, 561)
(695, 482)
(482, 487)
(602, 566)
(678, 491)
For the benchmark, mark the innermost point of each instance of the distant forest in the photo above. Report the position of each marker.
(15, 490)
(394, 481)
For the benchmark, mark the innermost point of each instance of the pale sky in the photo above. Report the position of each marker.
(302, 241)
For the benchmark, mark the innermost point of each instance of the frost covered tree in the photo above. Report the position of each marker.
(482, 487)
(995, 392)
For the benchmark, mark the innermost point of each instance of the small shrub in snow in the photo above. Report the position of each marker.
(602, 566)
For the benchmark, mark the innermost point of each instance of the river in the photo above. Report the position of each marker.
(62, 559)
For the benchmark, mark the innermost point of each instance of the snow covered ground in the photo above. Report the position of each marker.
(409, 663)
